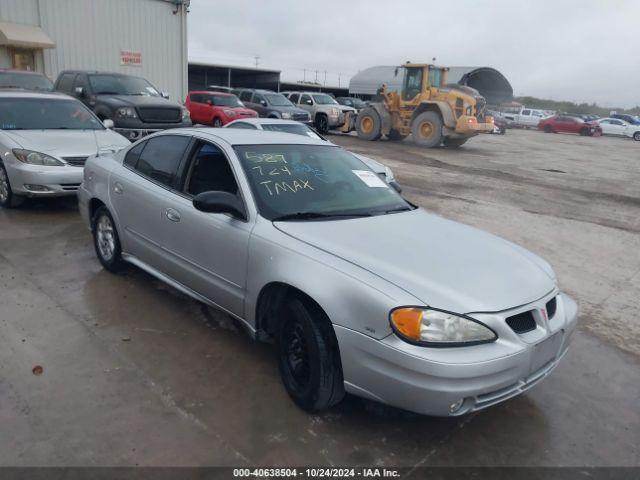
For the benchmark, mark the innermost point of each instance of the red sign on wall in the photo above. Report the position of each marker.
(130, 58)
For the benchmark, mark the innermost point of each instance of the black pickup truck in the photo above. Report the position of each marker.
(135, 106)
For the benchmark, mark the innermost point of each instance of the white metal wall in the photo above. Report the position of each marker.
(89, 34)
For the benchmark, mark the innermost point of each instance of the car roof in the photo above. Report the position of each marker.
(265, 121)
(238, 136)
(18, 93)
(212, 92)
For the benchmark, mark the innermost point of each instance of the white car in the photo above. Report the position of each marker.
(616, 126)
(45, 139)
(297, 128)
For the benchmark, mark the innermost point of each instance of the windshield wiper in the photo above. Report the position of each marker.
(311, 215)
(109, 93)
(397, 210)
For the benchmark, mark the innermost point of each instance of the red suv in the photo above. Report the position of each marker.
(216, 108)
(566, 124)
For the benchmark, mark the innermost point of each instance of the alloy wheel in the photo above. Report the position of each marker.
(297, 356)
(4, 186)
(106, 238)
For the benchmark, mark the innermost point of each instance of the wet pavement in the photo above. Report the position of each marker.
(135, 373)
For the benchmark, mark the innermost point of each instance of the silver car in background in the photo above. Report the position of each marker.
(361, 291)
(45, 139)
(298, 128)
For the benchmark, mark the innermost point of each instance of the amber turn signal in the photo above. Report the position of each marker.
(407, 322)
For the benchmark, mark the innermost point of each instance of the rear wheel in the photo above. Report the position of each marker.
(369, 124)
(454, 142)
(427, 129)
(548, 129)
(584, 132)
(396, 136)
(308, 357)
(106, 241)
(8, 199)
(636, 136)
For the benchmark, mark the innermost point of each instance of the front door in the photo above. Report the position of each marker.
(207, 252)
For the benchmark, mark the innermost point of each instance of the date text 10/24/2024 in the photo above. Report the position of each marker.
(320, 472)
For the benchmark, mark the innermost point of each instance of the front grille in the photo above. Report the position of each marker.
(158, 115)
(551, 308)
(300, 117)
(75, 161)
(522, 322)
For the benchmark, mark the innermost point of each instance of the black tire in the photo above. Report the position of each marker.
(584, 132)
(8, 199)
(396, 136)
(114, 262)
(636, 136)
(308, 356)
(548, 129)
(454, 142)
(369, 124)
(322, 123)
(217, 123)
(426, 129)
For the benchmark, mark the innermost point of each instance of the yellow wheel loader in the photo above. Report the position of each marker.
(427, 108)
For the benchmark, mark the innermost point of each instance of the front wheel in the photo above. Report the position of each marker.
(217, 123)
(322, 124)
(369, 124)
(106, 241)
(8, 199)
(636, 136)
(427, 129)
(584, 132)
(308, 357)
(548, 129)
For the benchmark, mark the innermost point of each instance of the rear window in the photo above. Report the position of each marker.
(28, 81)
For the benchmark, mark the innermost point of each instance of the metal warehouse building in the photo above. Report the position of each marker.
(146, 38)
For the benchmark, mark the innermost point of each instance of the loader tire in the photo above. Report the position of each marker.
(454, 142)
(369, 124)
(427, 129)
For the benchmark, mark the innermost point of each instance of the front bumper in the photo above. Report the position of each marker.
(432, 380)
(134, 129)
(39, 181)
(467, 125)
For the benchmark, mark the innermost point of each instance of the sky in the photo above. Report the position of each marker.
(577, 50)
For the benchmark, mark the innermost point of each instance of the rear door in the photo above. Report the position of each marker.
(138, 189)
(207, 252)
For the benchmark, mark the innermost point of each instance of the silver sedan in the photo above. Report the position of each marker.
(361, 291)
(45, 139)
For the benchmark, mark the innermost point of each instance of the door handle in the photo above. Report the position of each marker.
(118, 188)
(172, 214)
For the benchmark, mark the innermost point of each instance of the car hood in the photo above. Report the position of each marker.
(68, 143)
(442, 263)
(138, 101)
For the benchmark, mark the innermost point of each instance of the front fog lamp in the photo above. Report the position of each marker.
(431, 327)
(36, 158)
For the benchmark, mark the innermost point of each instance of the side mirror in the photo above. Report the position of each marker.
(79, 91)
(220, 202)
(108, 123)
(165, 95)
(308, 102)
(263, 103)
(209, 102)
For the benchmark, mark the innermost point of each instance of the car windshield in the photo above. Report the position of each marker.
(28, 81)
(277, 100)
(323, 99)
(46, 114)
(225, 100)
(308, 181)
(121, 85)
(295, 128)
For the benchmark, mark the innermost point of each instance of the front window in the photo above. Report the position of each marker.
(295, 128)
(323, 99)
(46, 114)
(224, 100)
(121, 85)
(314, 179)
(277, 100)
(28, 81)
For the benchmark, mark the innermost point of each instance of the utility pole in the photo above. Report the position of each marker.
(339, 75)
(325, 78)
(304, 75)
(257, 57)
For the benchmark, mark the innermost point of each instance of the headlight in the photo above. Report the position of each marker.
(229, 113)
(126, 112)
(426, 326)
(286, 115)
(185, 113)
(389, 174)
(36, 158)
